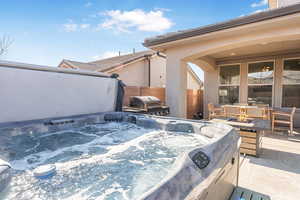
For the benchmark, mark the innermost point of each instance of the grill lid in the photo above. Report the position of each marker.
(142, 101)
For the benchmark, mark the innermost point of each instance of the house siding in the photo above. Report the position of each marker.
(192, 83)
(64, 65)
(134, 74)
(158, 71)
(137, 73)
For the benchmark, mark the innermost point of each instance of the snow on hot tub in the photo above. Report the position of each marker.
(118, 156)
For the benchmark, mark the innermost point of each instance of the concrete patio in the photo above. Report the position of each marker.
(276, 172)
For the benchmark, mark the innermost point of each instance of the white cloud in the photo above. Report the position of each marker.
(106, 54)
(73, 27)
(259, 10)
(84, 26)
(259, 4)
(70, 27)
(124, 21)
(88, 4)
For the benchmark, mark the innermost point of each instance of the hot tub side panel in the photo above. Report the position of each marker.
(223, 185)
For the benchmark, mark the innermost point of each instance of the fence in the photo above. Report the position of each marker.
(194, 102)
(194, 97)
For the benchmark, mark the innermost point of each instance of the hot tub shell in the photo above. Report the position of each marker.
(187, 181)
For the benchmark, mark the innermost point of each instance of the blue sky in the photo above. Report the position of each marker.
(46, 31)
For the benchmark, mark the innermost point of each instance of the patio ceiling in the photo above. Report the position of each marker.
(258, 50)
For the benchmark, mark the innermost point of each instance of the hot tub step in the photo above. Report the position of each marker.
(240, 193)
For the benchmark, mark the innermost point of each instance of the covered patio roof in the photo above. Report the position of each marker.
(253, 18)
(272, 34)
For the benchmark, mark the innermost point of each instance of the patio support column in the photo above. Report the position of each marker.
(176, 85)
(211, 81)
(211, 88)
(277, 88)
(243, 83)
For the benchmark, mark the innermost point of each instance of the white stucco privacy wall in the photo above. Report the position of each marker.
(28, 94)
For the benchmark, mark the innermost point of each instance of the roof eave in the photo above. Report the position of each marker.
(127, 62)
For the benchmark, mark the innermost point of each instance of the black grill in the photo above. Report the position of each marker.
(146, 105)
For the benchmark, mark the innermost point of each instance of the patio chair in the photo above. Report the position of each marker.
(284, 118)
(214, 111)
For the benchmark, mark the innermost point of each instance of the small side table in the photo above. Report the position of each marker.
(251, 142)
(251, 133)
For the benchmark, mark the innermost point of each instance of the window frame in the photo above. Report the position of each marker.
(228, 85)
(283, 84)
(263, 84)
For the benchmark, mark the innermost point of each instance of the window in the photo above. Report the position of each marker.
(229, 84)
(291, 83)
(260, 83)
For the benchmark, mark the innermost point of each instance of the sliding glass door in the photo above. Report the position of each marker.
(291, 83)
(229, 84)
(260, 83)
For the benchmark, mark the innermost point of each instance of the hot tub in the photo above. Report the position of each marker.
(120, 156)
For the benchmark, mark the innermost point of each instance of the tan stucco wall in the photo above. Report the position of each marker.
(64, 65)
(210, 94)
(134, 74)
(158, 71)
(272, 4)
(176, 84)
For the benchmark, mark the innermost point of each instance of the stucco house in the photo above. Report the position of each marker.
(145, 69)
(254, 58)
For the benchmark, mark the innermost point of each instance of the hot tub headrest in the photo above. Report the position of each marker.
(5, 174)
(180, 127)
(116, 117)
(120, 117)
(4, 166)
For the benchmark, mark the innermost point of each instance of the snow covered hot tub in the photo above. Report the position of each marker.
(120, 156)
